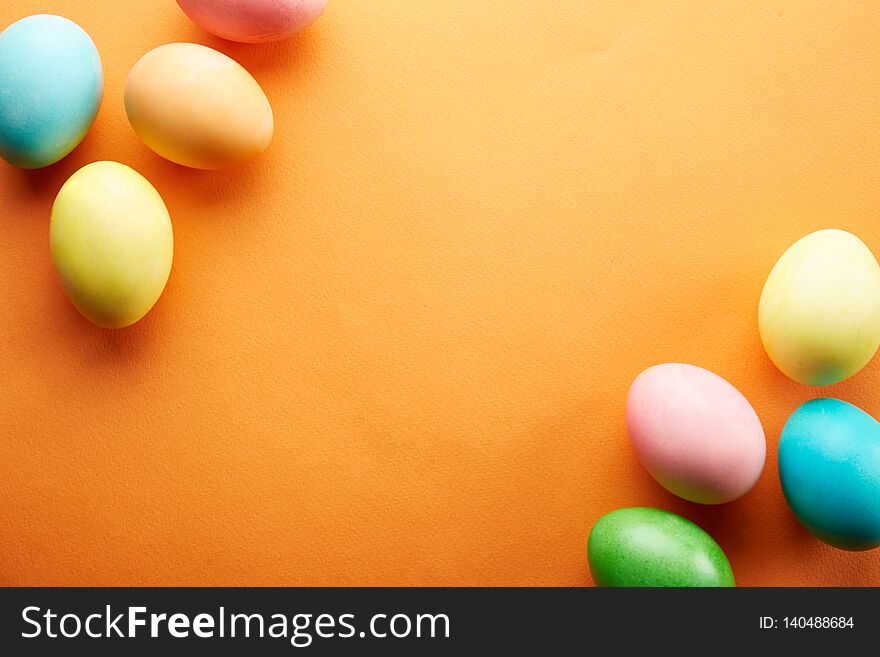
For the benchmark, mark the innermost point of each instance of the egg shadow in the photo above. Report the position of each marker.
(41, 183)
(288, 55)
(45, 182)
(731, 524)
(718, 520)
(117, 347)
(208, 188)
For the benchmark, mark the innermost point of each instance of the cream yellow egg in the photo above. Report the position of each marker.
(819, 314)
(197, 107)
(111, 243)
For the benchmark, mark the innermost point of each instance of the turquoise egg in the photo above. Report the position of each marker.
(51, 85)
(829, 466)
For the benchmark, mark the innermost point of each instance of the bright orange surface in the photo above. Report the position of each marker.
(395, 349)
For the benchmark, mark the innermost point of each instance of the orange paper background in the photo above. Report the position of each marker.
(395, 349)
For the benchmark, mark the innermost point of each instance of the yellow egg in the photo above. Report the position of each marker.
(111, 243)
(819, 314)
(197, 107)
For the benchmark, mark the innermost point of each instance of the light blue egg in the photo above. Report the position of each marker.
(51, 85)
(829, 466)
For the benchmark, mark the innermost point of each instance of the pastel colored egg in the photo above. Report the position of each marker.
(819, 314)
(641, 546)
(111, 243)
(253, 21)
(829, 467)
(695, 433)
(197, 107)
(51, 86)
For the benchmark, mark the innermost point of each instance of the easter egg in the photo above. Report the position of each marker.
(641, 546)
(819, 314)
(197, 107)
(51, 85)
(111, 243)
(829, 467)
(695, 433)
(253, 21)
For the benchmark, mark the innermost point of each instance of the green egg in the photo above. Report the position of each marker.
(640, 546)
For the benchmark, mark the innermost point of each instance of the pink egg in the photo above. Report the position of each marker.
(695, 433)
(253, 21)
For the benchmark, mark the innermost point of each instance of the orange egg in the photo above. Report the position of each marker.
(197, 107)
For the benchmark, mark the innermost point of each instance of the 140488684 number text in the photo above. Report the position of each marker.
(818, 622)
